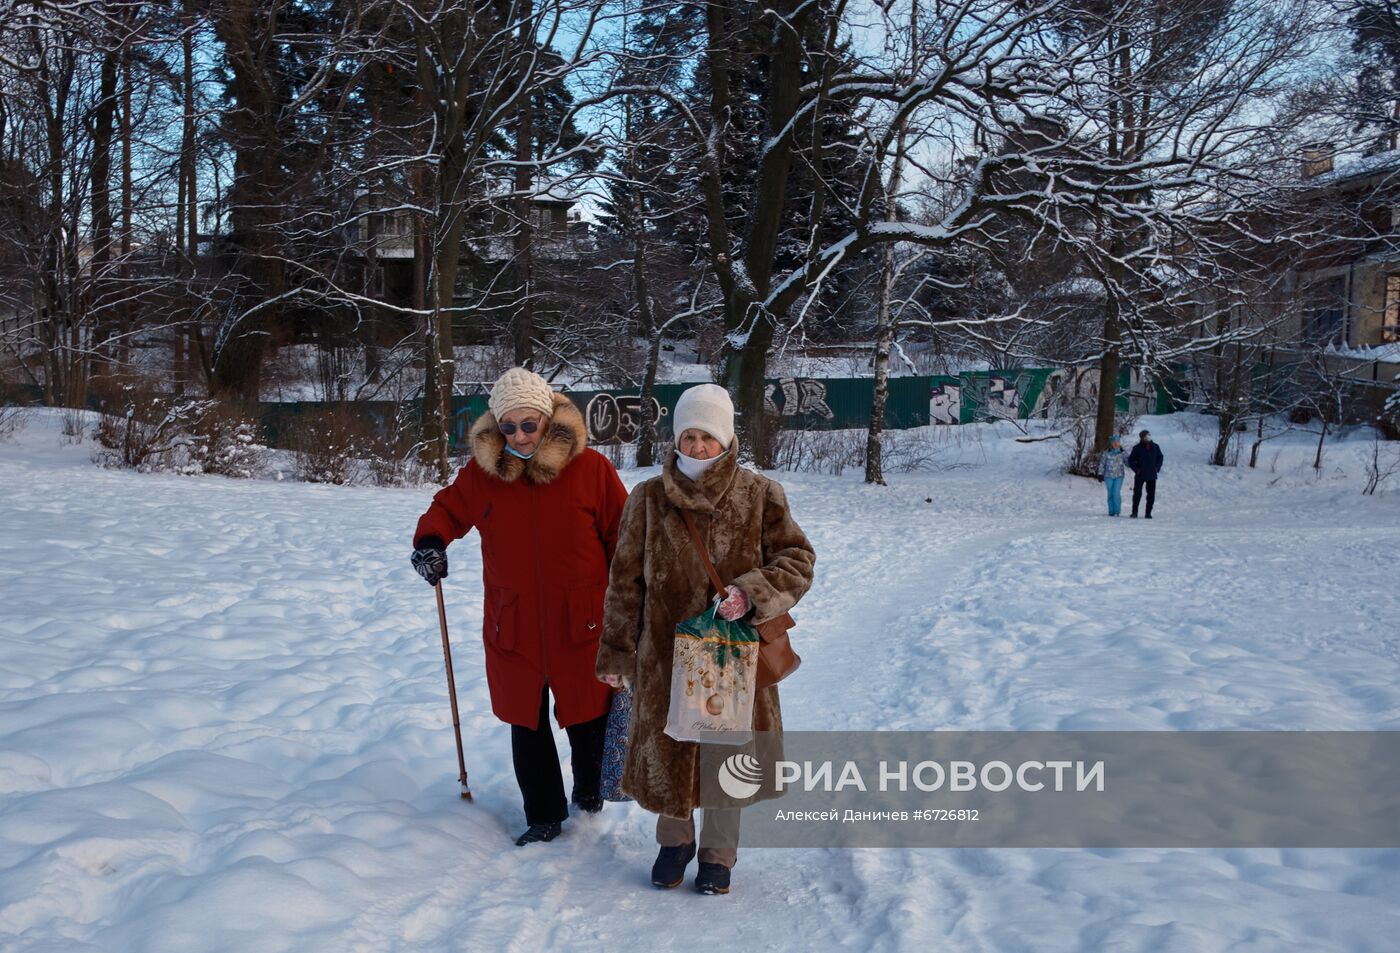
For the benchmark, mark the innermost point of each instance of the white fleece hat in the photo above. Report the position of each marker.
(518, 387)
(705, 407)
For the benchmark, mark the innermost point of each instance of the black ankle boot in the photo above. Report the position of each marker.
(592, 803)
(669, 869)
(539, 833)
(712, 878)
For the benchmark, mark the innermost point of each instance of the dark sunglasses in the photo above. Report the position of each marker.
(529, 426)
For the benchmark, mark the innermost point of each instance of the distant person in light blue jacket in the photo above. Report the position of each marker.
(1111, 465)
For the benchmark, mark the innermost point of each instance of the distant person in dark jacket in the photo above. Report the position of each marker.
(1146, 463)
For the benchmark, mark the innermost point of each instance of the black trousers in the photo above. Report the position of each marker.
(1137, 494)
(537, 764)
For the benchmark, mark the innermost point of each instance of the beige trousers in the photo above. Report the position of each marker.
(719, 834)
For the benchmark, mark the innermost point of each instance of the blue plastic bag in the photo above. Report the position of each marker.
(615, 745)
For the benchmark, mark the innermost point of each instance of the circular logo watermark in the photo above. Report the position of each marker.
(740, 776)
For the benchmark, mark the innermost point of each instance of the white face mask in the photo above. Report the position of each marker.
(692, 467)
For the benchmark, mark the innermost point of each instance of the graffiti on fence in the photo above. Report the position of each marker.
(461, 425)
(617, 418)
(1074, 391)
(945, 404)
(1068, 391)
(1038, 392)
(801, 396)
(1003, 397)
(808, 403)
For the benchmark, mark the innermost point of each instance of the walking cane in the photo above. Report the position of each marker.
(452, 694)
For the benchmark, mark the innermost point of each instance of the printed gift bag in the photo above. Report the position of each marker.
(714, 675)
(615, 745)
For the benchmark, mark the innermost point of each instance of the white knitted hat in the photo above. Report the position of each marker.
(518, 387)
(706, 407)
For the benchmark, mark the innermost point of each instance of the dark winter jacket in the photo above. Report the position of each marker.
(548, 528)
(657, 580)
(1145, 460)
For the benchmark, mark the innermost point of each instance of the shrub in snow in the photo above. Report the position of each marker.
(394, 453)
(1390, 414)
(150, 432)
(345, 445)
(225, 441)
(817, 451)
(1382, 463)
(144, 432)
(907, 451)
(74, 425)
(326, 444)
(13, 415)
(12, 420)
(833, 451)
(1081, 459)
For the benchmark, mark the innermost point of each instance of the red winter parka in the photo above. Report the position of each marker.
(548, 528)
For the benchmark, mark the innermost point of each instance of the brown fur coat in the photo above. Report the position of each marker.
(657, 580)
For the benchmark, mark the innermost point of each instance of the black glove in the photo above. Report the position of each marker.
(430, 559)
(1100, 477)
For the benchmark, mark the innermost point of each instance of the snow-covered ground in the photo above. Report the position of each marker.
(223, 722)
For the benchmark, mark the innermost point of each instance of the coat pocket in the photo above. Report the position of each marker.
(586, 612)
(501, 622)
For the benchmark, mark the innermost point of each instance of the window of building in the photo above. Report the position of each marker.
(1324, 317)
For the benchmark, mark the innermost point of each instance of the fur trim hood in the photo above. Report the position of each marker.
(565, 436)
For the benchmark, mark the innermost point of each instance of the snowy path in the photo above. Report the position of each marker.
(224, 724)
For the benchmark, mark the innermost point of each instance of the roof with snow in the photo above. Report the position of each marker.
(1360, 167)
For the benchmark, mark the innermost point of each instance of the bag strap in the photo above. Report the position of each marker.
(704, 553)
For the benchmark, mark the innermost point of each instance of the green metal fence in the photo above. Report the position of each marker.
(811, 403)
(804, 403)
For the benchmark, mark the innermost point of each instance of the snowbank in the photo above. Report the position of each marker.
(225, 726)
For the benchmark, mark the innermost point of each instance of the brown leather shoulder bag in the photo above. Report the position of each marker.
(776, 658)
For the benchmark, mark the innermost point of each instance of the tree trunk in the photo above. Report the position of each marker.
(103, 121)
(446, 259)
(250, 37)
(884, 341)
(634, 224)
(435, 389)
(523, 325)
(750, 328)
(369, 277)
(127, 313)
(646, 433)
(745, 373)
(190, 187)
(57, 316)
(1106, 416)
(885, 328)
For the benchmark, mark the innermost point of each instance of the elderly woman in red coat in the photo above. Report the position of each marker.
(546, 508)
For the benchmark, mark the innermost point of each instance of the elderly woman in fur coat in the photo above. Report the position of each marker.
(657, 580)
(546, 507)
